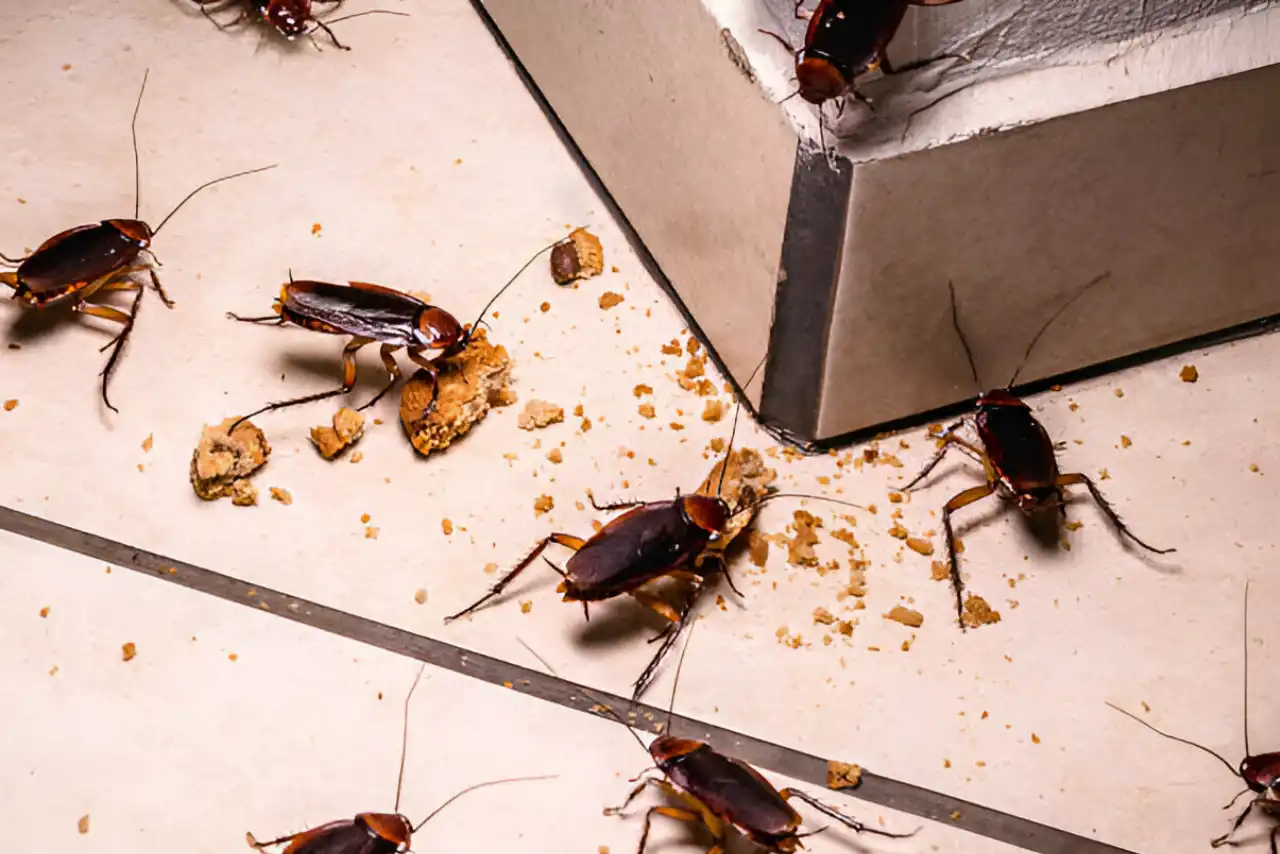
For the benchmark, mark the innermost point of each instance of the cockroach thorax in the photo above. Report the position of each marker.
(708, 512)
(820, 80)
(393, 828)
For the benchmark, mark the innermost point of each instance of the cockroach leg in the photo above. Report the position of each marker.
(888, 69)
(615, 505)
(12, 262)
(329, 32)
(831, 812)
(393, 371)
(348, 383)
(655, 603)
(415, 356)
(567, 540)
(635, 793)
(155, 283)
(802, 16)
(948, 439)
(782, 41)
(964, 499)
(120, 339)
(273, 319)
(722, 566)
(1077, 479)
(1222, 840)
(677, 813)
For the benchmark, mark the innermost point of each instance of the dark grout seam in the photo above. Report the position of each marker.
(875, 789)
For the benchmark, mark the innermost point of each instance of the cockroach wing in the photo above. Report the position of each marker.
(852, 34)
(734, 791)
(339, 837)
(1018, 445)
(640, 545)
(383, 314)
(74, 258)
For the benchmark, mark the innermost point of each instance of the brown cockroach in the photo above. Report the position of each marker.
(369, 314)
(718, 791)
(1260, 773)
(673, 538)
(76, 264)
(1016, 453)
(371, 832)
(288, 18)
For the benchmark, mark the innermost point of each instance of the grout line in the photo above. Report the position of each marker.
(935, 806)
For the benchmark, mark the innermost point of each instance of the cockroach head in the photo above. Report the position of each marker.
(1261, 775)
(820, 80)
(709, 512)
(288, 17)
(1002, 397)
(136, 230)
(1037, 499)
(390, 827)
(437, 329)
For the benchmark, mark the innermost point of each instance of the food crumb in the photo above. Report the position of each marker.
(364, 518)
(578, 256)
(545, 307)
(647, 410)
(348, 427)
(1125, 441)
(1253, 467)
(490, 568)
(315, 228)
(939, 571)
(842, 775)
(641, 390)
(420, 596)
(757, 548)
(526, 605)
(370, 532)
(539, 413)
(609, 299)
(44, 612)
(543, 504)
(1188, 374)
(1119, 392)
(10, 405)
(676, 425)
(83, 824)
(232, 657)
(446, 526)
(978, 613)
(128, 651)
(906, 616)
(357, 456)
(920, 546)
(147, 442)
(823, 617)
(1035, 739)
(281, 495)
(714, 411)
(555, 455)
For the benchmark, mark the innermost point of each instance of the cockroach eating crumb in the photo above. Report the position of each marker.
(470, 384)
(842, 775)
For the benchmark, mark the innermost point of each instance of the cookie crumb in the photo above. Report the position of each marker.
(539, 413)
(281, 495)
(1188, 374)
(128, 651)
(543, 504)
(609, 299)
(906, 616)
(83, 824)
(843, 775)
(420, 596)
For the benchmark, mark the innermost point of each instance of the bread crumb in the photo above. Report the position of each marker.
(578, 256)
(420, 596)
(1119, 392)
(906, 616)
(642, 389)
(348, 427)
(842, 775)
(147, 442)
(1035, 739)
(714, 411)
(609, 299)
(647, 410)
(920, 546)
(357, 456)
(526, 605)
(555, 456)
(1253, 467)
(1103, 474)
(364, 518)
(545, 307)
(221, 463)
(1125, 441)
(898, 532)
(44, 612)
(978, 613)
(315, 228)
(1188, 374)
(128, 651)
(800, 547)
(281, 495)
(83, 824)
(446, 526)
(543, 504)
(370, 532)
(757, 548)
(470, 384)
(539, 413)
(823, 617)
(676, 425)
(490, 568)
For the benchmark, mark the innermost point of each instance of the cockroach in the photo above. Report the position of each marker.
(652, 540)
(1260, 773)
(74, 265)
(369, 314)
(846, 39)
(289, 18)
(371, 832)
(719, 792)
(1015, 450)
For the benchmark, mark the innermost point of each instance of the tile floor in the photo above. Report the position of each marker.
(421, 184)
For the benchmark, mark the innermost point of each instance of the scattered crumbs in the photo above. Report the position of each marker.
(641, 390)
(673, 348)
(609, 299)
(920, 546)
(490, 568)
(585, 425)
(128, 651)
(676, 425)
(978, 613)
(1188, 374)
(714, 411)
(898, 532)
(10, 405)
(1035, 739)
(446, 526)
(370, 532)
(147, 442)
(281, 495)
(842, 775)
(1119, 392)
(539, 413)
(1103, 474)
(364, 518)
(820, 615)
(44, 612)
(1125, 441)
(647, 410)
(83, 824)
(555, 456)
(526, 605)
(906, 616)
(543, 504)
(545, 307)
(420, 596)
(315, 228)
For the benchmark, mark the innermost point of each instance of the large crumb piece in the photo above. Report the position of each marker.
(543, 504)
(746, 480)
(842, 775)
(578, 256)
(800, 547)
(609, 299)
(471, 383)
(978, 613)
(1189, 374)
(539, 413)
(348, 427)
(906, 616)
(222, 462)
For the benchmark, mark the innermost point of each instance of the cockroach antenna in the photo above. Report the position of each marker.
(137, 167)
(503, 289)
(724, 467)
(964, 342)
(1027, 355)
(404, 736)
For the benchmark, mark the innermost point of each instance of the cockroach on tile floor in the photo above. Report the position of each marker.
(672, 538)
(372, 314)
(76, 264)
(1016, 453)
(846, 39)
(371, 832)
(1260, 773)
(289, 18)
(718, 791)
